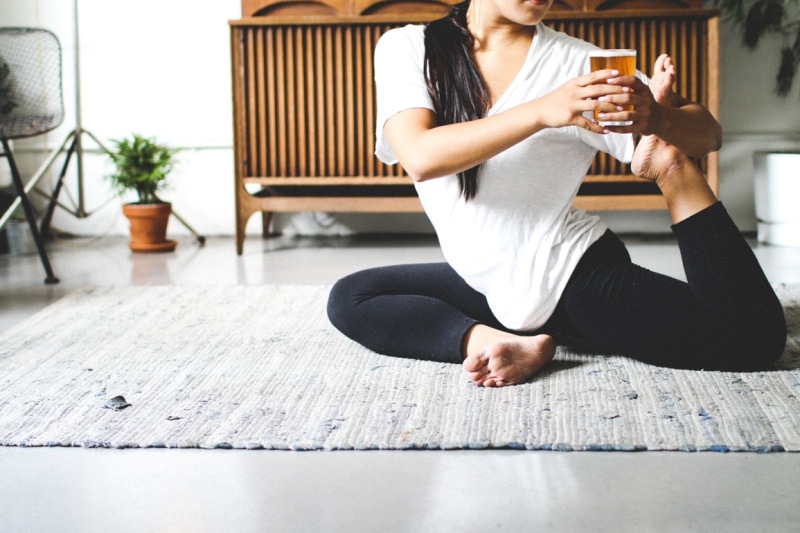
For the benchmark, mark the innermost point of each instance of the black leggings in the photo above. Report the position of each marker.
(726, 317)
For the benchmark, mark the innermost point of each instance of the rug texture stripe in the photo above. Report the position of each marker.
(261, 367)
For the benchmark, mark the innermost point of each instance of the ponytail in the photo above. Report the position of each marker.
(456, 87)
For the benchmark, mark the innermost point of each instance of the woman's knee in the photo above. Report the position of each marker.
(754, 349)
(343, 299)
(769, 335)
(773, 343)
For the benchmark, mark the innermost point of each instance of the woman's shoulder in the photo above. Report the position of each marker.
(410, 34)
(558, 39)
(572, 53)
(400, 46)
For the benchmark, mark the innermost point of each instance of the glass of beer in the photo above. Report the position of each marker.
(622, 60)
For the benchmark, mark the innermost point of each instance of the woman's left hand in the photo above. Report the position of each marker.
(646, 114)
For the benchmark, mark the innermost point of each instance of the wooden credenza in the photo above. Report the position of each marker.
(304, 103)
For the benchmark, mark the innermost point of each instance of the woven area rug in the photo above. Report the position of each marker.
(261, 368)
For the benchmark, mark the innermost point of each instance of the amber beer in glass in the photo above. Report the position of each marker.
(622, 60)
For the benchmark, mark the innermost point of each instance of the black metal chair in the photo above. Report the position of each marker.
(30, 104)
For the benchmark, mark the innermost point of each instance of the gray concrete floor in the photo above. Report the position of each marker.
(64, 489)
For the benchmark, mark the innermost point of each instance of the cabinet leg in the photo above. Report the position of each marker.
(241, 224)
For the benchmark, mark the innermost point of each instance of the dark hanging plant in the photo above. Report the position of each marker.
(7, 99)
(790, 60)
(770, 16)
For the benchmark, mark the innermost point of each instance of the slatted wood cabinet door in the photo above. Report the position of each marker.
(304, 98)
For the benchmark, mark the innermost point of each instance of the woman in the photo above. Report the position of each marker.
(487, 111)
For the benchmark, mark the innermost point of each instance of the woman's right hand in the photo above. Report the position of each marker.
(566, 105)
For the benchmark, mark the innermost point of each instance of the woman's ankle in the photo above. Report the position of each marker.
(686, 192)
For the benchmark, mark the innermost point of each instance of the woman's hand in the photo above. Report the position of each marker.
(566, 105)
(647, 114)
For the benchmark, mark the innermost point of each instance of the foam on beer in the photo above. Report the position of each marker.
(612, 53)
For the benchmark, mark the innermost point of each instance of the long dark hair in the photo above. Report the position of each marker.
(456, 87)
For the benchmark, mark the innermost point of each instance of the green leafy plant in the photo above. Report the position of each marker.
(759, 17)
(8, 100)
(142, 165)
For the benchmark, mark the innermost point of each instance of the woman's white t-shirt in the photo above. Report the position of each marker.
(519, 239)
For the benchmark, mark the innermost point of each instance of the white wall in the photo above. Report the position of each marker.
(162, 68)
(159, 68)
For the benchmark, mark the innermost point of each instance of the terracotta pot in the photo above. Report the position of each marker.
(148, 224)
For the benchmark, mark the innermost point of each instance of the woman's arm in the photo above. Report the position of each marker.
(684, 124)
(688, 126)
(427, 150)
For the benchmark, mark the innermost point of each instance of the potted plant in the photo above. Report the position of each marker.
(142, 166)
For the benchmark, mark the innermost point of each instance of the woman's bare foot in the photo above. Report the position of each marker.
(655, 159)
(682, 183)
(664, 76)
(507, 359)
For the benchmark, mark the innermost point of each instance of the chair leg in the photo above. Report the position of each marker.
(51, 206)
(29, 214)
